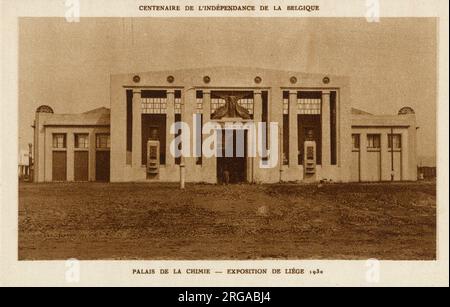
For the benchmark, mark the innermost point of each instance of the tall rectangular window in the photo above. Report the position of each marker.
(285, 127)
(129, 120)
(59, 140)
(333, 127)
(373, 141)
(265, 119)
(82, 141)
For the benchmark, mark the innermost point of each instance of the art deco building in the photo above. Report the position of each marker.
(320, 136)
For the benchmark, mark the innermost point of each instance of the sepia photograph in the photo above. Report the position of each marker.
(227, 138)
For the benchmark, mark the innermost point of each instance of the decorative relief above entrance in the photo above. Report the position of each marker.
(231, 109)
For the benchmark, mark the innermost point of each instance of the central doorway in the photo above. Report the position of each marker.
(232, 156)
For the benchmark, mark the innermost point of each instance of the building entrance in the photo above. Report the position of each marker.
(232, 156)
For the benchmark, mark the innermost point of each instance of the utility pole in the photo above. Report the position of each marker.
(182, 158)
(392, 153)
(30, 162)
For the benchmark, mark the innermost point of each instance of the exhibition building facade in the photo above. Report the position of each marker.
(225, 124)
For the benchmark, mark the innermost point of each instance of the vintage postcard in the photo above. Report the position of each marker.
(242, 143)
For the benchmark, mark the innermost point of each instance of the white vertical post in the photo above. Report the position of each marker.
(208, 163)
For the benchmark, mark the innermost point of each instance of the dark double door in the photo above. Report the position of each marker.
(102, 165)
(81, 165)
(232, 157)
(59, 165)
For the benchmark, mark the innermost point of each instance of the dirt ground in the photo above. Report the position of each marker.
(285, 221)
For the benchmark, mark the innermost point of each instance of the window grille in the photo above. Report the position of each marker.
(286, 106)
(178, 105)
(81, 141)
(309, 106)
(373, 141)
(356, 144)
(396, 139)
(59, 140)
(199, 105)
(154, 105)
(103, 141)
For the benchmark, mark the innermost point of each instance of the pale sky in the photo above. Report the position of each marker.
(391, 63)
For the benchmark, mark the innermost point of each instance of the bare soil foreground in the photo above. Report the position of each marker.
(285, 221)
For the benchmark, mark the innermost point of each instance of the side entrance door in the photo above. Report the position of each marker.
(102, 165)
